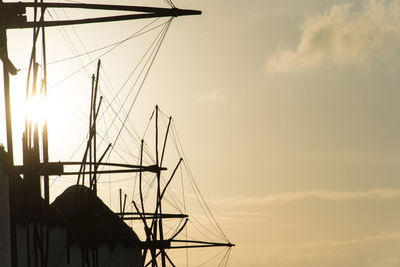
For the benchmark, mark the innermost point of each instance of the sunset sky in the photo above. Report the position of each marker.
(288, 112)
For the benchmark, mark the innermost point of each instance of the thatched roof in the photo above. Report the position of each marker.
(90, 221)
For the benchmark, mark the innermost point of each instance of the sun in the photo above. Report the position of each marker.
(39, 110)
(36, 110)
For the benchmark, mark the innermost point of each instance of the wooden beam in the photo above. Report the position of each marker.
(15, 14)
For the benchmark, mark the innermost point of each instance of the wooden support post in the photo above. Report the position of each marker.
(94, 112)
(6, 77)
(45, 138)
(123, 207)
(90, 130)
(120, 201)
(158, 201)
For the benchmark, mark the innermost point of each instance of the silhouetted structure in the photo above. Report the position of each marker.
(77, 229)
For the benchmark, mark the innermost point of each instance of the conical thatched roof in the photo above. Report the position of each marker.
(90, 221)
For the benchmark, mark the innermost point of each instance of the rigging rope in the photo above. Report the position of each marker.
(126, 98)
(176, 138)
(83, 67)
(144, 78)
(224, 260)
(133, 35)
(197, 190)
(137, 34)
(140, 32)
(213, 257)
(174, 199)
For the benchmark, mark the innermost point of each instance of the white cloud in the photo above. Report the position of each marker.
(238, 217)
(374, 194)
(344, 36)
(386, 236)
(214, 96)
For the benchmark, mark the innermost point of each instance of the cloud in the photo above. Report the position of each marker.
(344, 36)
(386, 236)
(351, 252)
(214, 96)
(385, 262)
(374, 194)
(238, 217)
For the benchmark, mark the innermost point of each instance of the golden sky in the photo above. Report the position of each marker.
(288, 112)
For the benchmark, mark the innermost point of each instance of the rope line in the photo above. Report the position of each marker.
(83, 67)
(137, 34)
(126, 98)
(213, 257)
(145, 76)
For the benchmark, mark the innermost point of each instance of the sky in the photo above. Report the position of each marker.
(288, 114)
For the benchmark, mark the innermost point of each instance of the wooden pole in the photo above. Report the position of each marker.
(90, 129)
(6, 80)
(158, 202)
(94, 112)
(45, 132)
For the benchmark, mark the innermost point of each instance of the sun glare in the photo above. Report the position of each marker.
(36, 110)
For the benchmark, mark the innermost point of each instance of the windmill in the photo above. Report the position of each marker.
(34, 170)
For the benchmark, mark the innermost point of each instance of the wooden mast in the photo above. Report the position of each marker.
(6, 77)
